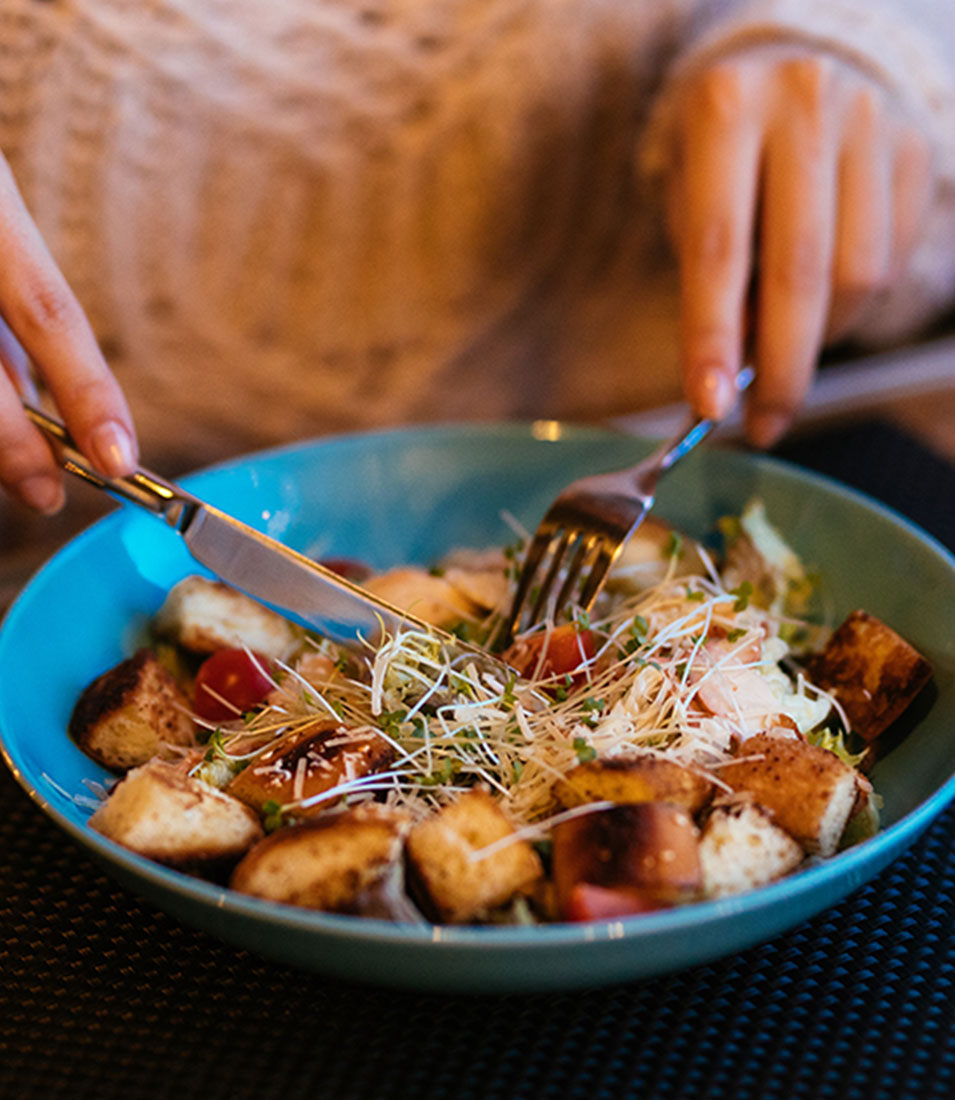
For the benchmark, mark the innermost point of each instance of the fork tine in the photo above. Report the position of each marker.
(596, 515)
(605, 557)
(535, 554)
(547, 584)
(587, 544)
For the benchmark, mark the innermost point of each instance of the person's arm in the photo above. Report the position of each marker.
(41, 323)
(801, 148)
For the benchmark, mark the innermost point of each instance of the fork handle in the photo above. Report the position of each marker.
(673, 449)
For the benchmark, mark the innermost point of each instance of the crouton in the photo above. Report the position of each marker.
(741, 848)
(809, 790)
(480, 575)
(647, 555)
(126, 716)
(643, 778)
(164, 814)
(308, 761)
(447, 872)
(648, 852)
(203, 615)
(872, 671)
(328, 863)
(485, 589)
(428, 597)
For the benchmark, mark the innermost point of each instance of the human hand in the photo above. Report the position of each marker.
(801, 179)
(41, 321)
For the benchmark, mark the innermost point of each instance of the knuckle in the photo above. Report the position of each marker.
(712, 243)
(865, 109)
(808, 80)
(43, 308)
(802, 267)
(89, 397)
(863, 274)
(863, 265)
(720, 94)
(21, 456)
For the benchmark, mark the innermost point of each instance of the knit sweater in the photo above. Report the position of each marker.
(304, 216)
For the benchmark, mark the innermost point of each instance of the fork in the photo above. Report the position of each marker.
(588, 525)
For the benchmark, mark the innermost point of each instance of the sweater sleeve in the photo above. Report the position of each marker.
(906, 45)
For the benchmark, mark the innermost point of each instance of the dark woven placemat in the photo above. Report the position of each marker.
(103, 996)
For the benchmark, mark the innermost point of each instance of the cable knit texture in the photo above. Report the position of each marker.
(294, 217)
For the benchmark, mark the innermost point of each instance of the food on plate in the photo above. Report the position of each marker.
(309, 761)
(458, 866)
(742, 847)
(126, 716)
(337, 862)
(872, 672)
(629, 858)
(165, 814)
(697, 734)
(644, 777)
(809, 791)
(204, 616)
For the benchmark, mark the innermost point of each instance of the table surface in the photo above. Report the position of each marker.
(102, 995)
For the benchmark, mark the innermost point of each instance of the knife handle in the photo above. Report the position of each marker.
(148, 490)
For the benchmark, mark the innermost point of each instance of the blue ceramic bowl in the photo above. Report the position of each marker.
(407, 496)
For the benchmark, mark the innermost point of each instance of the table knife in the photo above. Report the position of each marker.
(258, 565)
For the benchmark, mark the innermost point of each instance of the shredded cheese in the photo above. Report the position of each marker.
(452, 725)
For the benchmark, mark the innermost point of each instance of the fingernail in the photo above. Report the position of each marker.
(43, 493)
(717, 393)
(766, 426)
(113, 449)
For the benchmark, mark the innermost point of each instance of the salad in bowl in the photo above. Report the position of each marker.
(698, 734)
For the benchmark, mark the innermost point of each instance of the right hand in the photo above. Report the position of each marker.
(795, 163)
(43, 325)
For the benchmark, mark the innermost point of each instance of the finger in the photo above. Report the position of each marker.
(28, 470)
(673, 205)
(50, 325)
(15, 361)
(797, 241)
(720, 165)
(863, 241)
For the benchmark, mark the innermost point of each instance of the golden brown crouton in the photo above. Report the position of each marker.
(809, 790)
(125, 717)
(308, 761)
(453, 881)
(649, 849)
(203, 615)
(164, 814)
(328, 863)
(872, 671)
(424, 595)
(484, 589)
(648, 554)
(741, 848)
(643, 778)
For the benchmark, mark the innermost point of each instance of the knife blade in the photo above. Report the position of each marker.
(257, 564)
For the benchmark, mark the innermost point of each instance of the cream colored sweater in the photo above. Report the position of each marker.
(300, 216)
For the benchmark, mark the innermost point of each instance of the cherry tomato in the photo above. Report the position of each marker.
(232, 675)
(590, 902)
(349, 568)
(568, 647)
